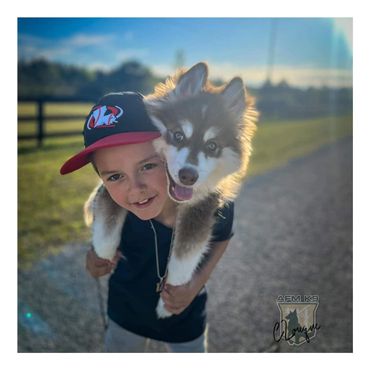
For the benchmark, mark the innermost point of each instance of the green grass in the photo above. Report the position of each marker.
(277, 143)
(50, 205)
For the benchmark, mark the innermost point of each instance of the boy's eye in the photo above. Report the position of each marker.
(114, 177)
(149, 166)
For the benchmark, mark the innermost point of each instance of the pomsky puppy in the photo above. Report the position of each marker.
(206, 135)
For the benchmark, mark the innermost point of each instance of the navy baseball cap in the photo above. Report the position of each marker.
(117, 119)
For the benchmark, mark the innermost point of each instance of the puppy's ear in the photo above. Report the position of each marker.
(234, 95)
(192, 82)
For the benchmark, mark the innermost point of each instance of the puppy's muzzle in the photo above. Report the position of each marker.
(188, 176)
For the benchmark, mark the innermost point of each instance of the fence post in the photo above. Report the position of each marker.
(40, 122)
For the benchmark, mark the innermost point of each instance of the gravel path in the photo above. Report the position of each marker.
(293, 235)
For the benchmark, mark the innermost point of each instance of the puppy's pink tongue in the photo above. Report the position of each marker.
(182, 193)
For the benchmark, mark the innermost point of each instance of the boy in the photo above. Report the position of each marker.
(118, 138)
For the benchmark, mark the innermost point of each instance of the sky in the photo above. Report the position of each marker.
(303, 51)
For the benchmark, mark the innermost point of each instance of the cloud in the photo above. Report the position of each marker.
(132, 54)
(316, 77)
(98, 51)
(31, 47)
(82, 40)
(94, 51)
(255, 76)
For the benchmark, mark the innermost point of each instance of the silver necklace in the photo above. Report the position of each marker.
(159, 286)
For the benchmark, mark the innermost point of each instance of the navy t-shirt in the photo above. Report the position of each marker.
(132, 297)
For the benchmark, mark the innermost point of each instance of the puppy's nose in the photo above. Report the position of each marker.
(188, 176)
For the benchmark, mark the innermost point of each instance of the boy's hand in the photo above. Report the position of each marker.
(177, 298)
(97, 266)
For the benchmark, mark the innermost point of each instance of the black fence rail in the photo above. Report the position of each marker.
(40, 119)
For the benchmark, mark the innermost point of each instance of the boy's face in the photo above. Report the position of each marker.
(135, 177)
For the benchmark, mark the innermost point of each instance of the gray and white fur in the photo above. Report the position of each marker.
(206, 141)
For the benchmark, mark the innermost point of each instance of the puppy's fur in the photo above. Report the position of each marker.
(206, 141)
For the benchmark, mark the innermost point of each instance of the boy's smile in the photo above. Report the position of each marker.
(145, 203)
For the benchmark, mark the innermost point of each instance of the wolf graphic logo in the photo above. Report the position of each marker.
(104, 116)
(298, 322)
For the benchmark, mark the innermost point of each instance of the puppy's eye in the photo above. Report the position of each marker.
(178, 136)
(211, 146)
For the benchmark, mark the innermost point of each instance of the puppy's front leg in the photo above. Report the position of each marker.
(192, 234)
(188, 250)
(106, 219)
(180, 271)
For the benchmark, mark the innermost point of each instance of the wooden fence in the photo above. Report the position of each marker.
(40, 119)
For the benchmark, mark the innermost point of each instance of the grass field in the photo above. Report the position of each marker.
(50, 205)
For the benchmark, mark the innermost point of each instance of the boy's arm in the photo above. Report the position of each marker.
(177, 298)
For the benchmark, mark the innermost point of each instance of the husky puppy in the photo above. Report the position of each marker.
(206, 142)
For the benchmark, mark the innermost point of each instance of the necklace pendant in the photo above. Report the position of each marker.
(160, 285)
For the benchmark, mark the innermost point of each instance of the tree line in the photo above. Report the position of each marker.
(42, 78)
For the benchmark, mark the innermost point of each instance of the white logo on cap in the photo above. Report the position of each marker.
(104, 116)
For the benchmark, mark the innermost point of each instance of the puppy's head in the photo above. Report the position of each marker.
(201, 131)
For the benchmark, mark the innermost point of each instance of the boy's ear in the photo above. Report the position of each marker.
(193, 81)
(234, 95)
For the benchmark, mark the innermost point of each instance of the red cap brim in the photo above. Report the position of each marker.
(81, 159)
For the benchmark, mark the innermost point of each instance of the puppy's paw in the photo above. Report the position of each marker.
(162, 313)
